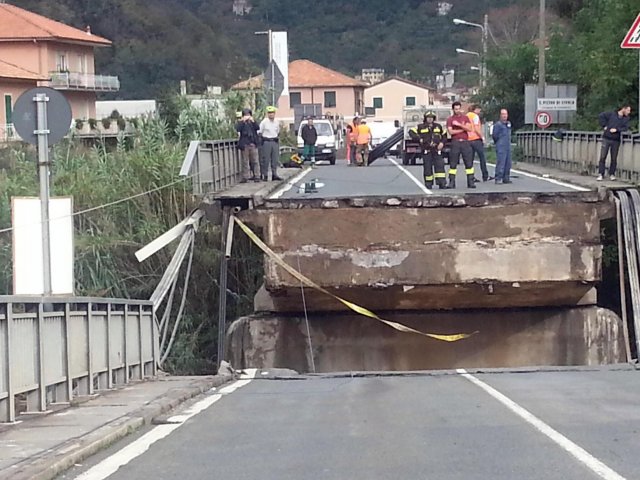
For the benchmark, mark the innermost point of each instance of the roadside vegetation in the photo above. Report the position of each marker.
(106, 238)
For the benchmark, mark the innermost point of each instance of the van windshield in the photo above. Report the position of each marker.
(323, 129)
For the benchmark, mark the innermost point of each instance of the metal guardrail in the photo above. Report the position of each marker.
(214, 165)
(579, 152)
(55, 349)
(84, 81)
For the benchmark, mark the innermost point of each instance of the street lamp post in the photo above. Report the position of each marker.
(485, 37)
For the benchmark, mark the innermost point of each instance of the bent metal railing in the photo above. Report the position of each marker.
(579, 152)
(55, 349)
(213, 165)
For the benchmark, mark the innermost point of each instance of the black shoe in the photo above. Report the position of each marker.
(475, 180)
(451, 185)
(244, 180)
(428, 185)
(442, 186)
(257, 179)
(471, 185)
(487, 179)
(276, 178)
(507, 181)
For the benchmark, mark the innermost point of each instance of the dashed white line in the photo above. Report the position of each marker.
(110, 465)
(580, 454)
(289, 184)
(411, 177)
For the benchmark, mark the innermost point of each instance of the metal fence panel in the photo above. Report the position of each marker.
(45, 343)
(99, 345)
(116, 331)
(133, 338)
(79, 348)
(579, 152)
(54, 362)
(23, 357)
(214, 166)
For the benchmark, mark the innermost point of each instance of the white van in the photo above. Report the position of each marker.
(380, 131)
(326, 143)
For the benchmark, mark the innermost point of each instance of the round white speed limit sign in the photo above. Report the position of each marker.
(543, 119)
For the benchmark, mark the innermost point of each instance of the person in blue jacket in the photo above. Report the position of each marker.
(502, 138)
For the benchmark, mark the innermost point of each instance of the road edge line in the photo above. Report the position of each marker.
(65, 455)
(575, 450)
(289, 184)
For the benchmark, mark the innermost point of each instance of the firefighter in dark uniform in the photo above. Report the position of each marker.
(431, 136)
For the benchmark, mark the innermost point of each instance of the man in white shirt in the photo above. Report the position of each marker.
(270, 131)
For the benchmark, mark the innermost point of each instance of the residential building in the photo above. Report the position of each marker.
(309, 83)
(13, 81)
(372, 75)
(60, 55)
(387, 99)
(241, 7)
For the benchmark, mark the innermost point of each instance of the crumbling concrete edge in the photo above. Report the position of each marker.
(56, 461)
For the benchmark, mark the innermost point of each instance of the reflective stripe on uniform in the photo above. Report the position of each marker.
(428, 178)
(469, 171)
(440, 175)
(452, 171)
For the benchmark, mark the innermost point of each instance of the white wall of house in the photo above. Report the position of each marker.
(391, 96)
(126, 108)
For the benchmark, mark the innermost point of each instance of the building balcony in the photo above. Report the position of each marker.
(84, 82)
(8, 133)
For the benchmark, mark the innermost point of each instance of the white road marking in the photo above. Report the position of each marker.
(110, 465)
(289, 184)
(580, 454)
(411, 177)
(539, 177)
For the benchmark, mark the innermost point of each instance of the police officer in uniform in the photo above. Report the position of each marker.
(431, 136)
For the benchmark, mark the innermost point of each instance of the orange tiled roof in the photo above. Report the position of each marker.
(9, 70)
(252, 83)
(305, 73)
(19, 24)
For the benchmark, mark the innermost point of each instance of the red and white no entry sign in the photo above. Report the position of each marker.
(543, 119)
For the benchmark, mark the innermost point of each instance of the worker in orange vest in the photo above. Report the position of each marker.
(352, 139)
(363, 140)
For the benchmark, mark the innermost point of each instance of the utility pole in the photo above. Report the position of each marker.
(541, 51)
(485, 38)
(42, 132)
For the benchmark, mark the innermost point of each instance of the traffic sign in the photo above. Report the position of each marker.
(543, 119)
(632, 38)
(58, 118)
(557, 104)
(274, 81)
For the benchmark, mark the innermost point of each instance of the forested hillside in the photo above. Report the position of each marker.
(159, 42)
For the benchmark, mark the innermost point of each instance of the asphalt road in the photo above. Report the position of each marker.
(430, 426)
(388, 177)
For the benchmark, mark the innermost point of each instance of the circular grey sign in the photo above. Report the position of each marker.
(25, 115)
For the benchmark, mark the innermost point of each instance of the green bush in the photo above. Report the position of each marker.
(79, 124)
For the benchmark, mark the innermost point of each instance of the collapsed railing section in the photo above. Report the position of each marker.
(55, 349)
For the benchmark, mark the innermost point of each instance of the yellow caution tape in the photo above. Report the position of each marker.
(356, 308)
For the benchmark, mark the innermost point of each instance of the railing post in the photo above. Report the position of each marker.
(109, 365)
(126, 343)
(90, 388)
(154, 342)
(42, 388)
(140, 342)
(11, 401)
(67, 341)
